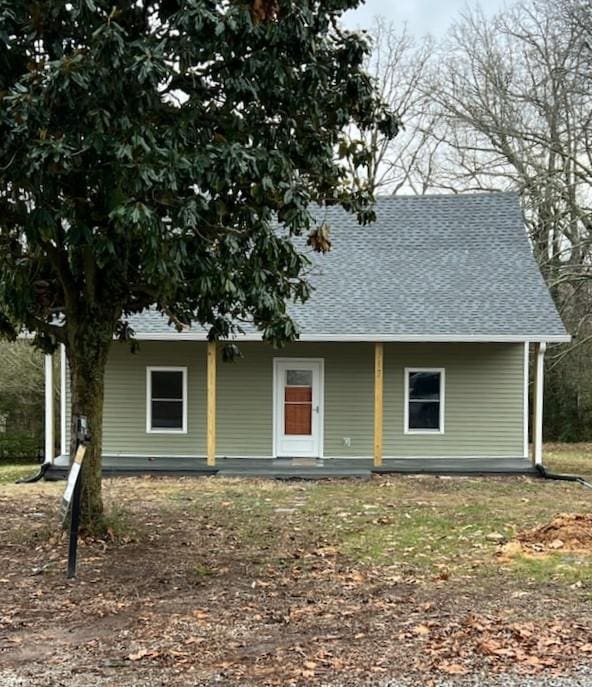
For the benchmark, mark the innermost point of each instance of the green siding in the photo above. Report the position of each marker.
(125, 399)
(245, 398)
(484, 399)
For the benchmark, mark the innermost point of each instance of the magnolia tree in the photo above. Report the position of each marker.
(149, 149)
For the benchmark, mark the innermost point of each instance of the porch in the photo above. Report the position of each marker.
(232, 416)
(304, 468)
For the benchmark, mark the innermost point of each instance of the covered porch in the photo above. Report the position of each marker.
(312, 468)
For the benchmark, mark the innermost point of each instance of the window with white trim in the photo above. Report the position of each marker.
(166, 399)
(424, 400)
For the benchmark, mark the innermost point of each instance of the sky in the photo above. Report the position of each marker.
(422, 16)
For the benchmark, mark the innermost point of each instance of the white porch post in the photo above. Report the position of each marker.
(49, 416)
(211, 403)
(63, 445)
(537, 428)
(526, 403)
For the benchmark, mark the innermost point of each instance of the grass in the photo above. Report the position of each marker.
(574, 458)
(423, 525)
(10, 472)
(568, 568)
(413, 525)
(241, 577)
(118, 523)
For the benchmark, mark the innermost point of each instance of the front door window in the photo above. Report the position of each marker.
(298, 403)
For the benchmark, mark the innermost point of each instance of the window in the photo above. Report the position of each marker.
(166, 399)
(424, 400)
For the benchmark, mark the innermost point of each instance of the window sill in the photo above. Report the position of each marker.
(424, 431)
(166, 431)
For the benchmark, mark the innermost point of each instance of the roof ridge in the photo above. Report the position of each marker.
(447, 196)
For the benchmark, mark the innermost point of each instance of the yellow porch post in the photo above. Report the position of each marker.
(211, 403)
(378, 398)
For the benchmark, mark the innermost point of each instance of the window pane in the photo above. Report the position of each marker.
(298, 394)
(167, 384)
(424, 386)
(298, 419)
(167, 414)
(299, 377)
(424, 415)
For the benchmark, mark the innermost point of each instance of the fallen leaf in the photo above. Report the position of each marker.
(532, 660)
(453, 668)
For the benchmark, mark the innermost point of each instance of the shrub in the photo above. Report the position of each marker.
(20, 446)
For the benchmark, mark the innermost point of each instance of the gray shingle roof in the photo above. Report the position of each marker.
(456, 267)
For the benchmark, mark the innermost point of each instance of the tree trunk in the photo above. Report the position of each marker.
(87, 349)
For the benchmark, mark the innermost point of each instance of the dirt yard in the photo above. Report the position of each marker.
(228, 582)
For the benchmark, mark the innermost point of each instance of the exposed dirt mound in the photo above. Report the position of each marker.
(567, 531)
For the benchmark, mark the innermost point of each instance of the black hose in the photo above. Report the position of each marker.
(35, 478)
(561, 476)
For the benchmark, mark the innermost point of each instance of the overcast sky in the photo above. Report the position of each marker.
(422, 16)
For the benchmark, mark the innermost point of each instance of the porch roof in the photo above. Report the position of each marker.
(431, 268)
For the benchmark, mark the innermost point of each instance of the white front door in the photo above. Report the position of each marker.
(298, 407)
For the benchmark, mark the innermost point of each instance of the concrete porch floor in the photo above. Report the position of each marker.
(307, 468)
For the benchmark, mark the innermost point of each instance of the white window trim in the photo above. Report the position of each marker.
(442, 372)
(157, 430)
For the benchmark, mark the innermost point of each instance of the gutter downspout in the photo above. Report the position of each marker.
(562, 476)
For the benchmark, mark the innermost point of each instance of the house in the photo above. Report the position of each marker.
(414, 347)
